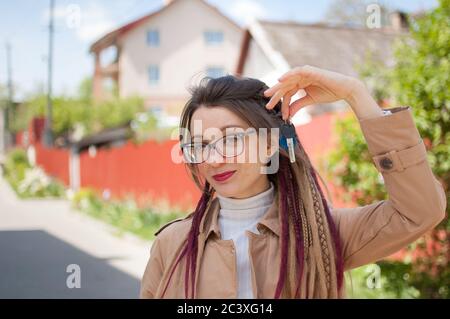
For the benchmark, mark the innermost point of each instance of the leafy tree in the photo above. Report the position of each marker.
(85, 89)
(92, 116)
(354, 12)
(421, 79)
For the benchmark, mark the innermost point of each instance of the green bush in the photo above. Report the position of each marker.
(28, 181)
(125, 214)
(379, 281)
(16, 164)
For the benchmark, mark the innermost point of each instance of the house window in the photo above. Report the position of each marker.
(153, 74)
(213, 37)
(215, 72)
(153, 38)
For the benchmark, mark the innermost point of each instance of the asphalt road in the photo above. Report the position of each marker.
(48, 250)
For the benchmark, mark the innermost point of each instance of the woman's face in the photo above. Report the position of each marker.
(209, 125)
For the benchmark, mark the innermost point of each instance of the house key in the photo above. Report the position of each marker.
(288, 139)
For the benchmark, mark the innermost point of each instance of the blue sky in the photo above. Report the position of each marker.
(24, 24)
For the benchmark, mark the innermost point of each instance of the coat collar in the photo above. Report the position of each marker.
(210, 223)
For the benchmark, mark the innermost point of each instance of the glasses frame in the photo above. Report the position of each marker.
(212, 145)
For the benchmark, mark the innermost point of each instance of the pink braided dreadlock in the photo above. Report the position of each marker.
(190, 249)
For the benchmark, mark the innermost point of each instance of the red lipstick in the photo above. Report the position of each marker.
(223, 176)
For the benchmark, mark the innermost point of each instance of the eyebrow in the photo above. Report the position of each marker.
(222, 129)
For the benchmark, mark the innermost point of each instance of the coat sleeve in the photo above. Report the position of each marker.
(416, 200)
(153, 272)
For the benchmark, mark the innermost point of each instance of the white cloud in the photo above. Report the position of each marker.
(244, 11)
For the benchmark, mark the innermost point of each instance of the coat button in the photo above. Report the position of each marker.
(386, 163)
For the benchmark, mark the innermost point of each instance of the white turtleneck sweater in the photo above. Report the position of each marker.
(235, 218)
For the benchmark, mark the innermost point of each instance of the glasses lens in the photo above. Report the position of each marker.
(193, 153)
(230, 145)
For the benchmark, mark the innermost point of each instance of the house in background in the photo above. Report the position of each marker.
(161, 55)
(271, 48)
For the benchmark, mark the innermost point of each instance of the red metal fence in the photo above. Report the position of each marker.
(147, 171)
(54, 161)
(143, 170)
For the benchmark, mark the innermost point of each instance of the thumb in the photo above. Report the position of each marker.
(297, 105)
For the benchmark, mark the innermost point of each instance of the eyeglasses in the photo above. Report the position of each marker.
(228, 146)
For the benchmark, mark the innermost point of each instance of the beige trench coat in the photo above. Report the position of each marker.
(416, 204)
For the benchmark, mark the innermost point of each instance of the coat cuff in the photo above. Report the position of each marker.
(394, 141)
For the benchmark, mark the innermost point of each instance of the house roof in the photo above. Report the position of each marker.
(111, 37)
(105, 137)
(336, 48)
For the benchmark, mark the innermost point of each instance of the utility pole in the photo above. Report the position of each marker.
(48, 133)
(10, 108)
(7, 110)
(9, 73)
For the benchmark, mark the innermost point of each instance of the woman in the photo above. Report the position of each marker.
(260, 232)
